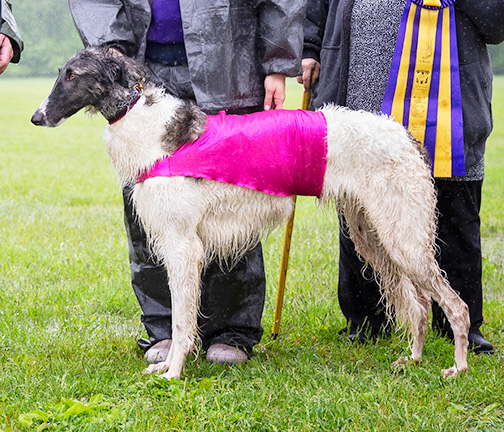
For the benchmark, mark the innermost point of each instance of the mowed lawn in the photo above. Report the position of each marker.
(69, 321)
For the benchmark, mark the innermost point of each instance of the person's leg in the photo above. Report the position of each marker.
(358, 293)
(150, 284)
(459, 256)
(232, 303)
(149, 280)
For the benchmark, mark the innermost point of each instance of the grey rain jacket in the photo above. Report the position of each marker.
(9, 28)
(221, 39)
(327, 39)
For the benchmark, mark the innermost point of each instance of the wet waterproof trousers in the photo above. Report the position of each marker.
(459, 255)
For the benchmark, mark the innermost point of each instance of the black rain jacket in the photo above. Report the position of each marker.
(221, 38)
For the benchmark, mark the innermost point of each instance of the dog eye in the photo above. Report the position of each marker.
(71, 76)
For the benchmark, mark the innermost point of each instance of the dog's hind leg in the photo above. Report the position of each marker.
(432, 283)
(457, 313)
(420, 306)
(427, 281)
(397, 251)
(401, 295)
(423, 304)
(425, 284)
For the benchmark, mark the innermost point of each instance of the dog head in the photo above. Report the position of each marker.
(98, 78)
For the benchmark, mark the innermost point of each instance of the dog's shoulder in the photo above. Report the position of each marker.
(185, 126)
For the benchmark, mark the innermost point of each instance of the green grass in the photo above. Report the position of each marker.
(69, 320)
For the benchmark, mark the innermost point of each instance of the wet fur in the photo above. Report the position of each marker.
(376, 178)
(185, 126)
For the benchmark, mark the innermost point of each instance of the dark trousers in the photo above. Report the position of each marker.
(231, 302)
(459, 256)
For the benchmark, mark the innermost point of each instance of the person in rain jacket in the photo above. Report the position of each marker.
(348, 50)
(11, 43)
(224, 55)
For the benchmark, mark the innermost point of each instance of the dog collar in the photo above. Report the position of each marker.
(135, 94)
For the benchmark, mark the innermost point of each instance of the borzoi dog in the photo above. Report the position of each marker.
(368, 166)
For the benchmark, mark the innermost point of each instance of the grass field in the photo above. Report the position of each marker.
(69, 320)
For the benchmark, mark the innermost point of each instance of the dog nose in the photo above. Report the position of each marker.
(38, 118)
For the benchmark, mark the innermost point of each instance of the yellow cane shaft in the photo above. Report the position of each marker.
(306, 100)
(285, 253)
(283, 272)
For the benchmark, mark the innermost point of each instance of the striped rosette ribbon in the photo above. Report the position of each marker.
(423, 90)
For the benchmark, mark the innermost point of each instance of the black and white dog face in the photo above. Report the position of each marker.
(93, 78)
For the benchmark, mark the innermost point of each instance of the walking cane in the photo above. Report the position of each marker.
(286, 249)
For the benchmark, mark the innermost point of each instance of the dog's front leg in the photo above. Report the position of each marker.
(183, 259)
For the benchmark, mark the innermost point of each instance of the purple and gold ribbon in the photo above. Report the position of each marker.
(423, 90)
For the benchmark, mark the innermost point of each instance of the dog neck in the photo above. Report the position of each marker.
(137, 142)
(118, 110)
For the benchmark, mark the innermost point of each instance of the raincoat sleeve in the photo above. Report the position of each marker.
(104, 22)
(281, 35)
(487, 16)
(314, 28)
(9, 28)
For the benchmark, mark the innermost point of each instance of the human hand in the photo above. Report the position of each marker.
(311, 72)
(6, 52)
(274, 85)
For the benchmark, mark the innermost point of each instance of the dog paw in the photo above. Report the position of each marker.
(156, 368)
(405, 360)
(171, 375)
(401, 361)
(453, 371)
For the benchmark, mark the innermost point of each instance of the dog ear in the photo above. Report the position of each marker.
(120, 69)
(131, 72)
(113, 70)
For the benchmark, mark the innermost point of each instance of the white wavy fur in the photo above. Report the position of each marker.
(375, 176)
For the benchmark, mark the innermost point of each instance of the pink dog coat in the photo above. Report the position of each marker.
(280, 153)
